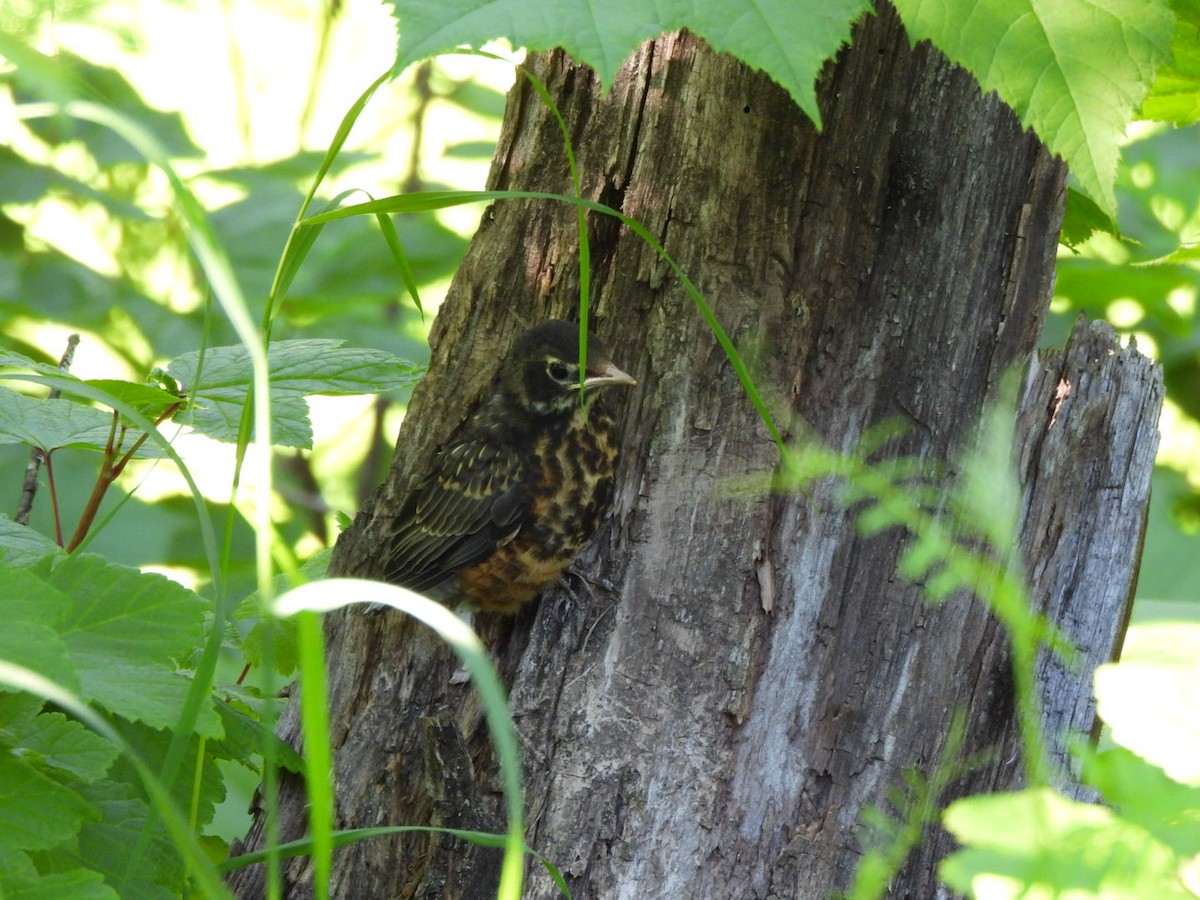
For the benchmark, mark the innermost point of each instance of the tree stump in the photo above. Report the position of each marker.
(714, 724)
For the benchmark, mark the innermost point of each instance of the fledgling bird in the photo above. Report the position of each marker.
(520, 486)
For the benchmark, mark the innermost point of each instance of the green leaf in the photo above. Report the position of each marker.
(1075, 71)
(1175, 96)
(65, 744)
(31, 610)
(86, 80)
(1039, 839)
(36, 812)
(989, 497)
(153, 745)
(790, 41)
(147, 399)
(1082, 219)
(104, 844)
(246, 737)
(126, 631)
(1144, 794)
(21, 545)
(74, 884)
(297, 368)
(282, 632)
(52, 424)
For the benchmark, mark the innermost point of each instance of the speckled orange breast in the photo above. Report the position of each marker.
(569, 489)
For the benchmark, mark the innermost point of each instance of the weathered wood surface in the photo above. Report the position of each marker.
(713, 725)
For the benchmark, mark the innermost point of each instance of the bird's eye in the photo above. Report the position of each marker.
(558, 370)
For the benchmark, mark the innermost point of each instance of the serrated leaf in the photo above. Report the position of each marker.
(297, 368)
(245, 738)
(20, 545)
(14, 360)
(153, 745)
(125, 633)
(65, 744)
(789, 41)
(31, 609)
(49, 424)
(1175, 96)
(75, 884)
(36, 812)
(1082, 219)
(54, 423)
(1052, 842)
(1075, 71)
(104, 844)
(1143, 793)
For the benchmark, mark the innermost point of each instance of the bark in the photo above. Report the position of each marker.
(714, 724)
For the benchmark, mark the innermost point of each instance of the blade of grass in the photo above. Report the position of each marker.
(427, 201)
(334, 593)
(219, 275)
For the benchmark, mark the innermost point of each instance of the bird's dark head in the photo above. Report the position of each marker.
(542, 372)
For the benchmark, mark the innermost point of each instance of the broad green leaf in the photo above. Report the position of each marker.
(1175, 97)
(21, 545)
(52, 424)
(74, 884)
(21, 361)
(1076, 71)
(36, 812)
(24, 181)
(125, 634)
(297, 368)
(104, 845)
(1083, 218)
(63, 743)
(1039, 843)
(31, 611)
(790, 41)
(153, 745)
(1143, 793)
(246, 737)
(282, 631)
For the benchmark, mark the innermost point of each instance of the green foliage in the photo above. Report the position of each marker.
(893, 835)
(297, 369)
(1076, 72)
(1176, 94)
(92, 785)
(1057, 845)
(119, 638)
(1036, 842)
(787, 40)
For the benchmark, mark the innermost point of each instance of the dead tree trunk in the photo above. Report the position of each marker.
(713, 726)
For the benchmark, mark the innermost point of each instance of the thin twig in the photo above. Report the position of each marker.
(110, 469)
(30, 486)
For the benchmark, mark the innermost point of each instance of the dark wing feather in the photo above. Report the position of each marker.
(472, 502)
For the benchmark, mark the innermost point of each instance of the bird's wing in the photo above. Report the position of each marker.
(471, 503)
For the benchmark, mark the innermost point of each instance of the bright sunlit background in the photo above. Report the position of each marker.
(248, 96)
